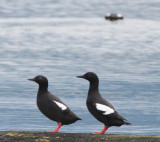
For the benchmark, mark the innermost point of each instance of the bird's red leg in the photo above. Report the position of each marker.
(103, 131)
(55, 131)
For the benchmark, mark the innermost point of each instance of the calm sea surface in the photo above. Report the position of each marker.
(61, 40)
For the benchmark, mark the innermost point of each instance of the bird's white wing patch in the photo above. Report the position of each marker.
(62, 106)
(107, 110)
(119, 15)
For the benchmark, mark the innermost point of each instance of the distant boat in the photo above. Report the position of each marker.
(111, 16)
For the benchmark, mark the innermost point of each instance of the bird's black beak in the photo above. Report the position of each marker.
(80, 76)
(32, 79)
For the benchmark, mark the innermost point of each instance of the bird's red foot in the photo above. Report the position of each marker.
(51, 131)
(102, 132)
(55, 131)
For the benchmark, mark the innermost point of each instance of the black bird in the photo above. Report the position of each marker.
(51, 106)
(112, 16)
(101, 109)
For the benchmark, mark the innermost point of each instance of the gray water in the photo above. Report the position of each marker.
(63, 39)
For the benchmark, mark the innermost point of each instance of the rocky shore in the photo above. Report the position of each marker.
(27, 136)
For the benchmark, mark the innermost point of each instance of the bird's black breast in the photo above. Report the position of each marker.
(48, 108)
(92, 109)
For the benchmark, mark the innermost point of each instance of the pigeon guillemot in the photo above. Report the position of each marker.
(101, 109)
(111, 16)
(51, 106)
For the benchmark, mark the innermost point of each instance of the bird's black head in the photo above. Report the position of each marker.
(40, 79)
(90, 76)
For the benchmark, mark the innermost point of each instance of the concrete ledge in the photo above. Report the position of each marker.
(27, 136)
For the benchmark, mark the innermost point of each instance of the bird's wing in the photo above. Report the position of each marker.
(106, 109)
(62, 107)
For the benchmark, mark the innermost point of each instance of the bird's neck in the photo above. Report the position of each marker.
(93, 88)
(42, 89)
